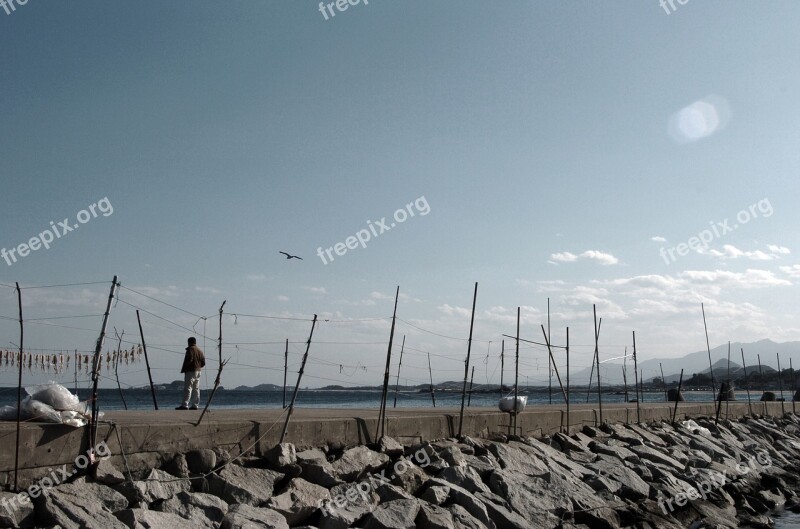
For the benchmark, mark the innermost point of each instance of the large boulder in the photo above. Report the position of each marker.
(349, 503)
(16, 510)
(298, 501)
(250, 486)
(158, 485)
(398, 514)
(106, 473)
(358, 461)
(80, 505)
(201, 461)
(204, 509)
(281, 456)
(147, 519)
(434, 517)
(249, 517)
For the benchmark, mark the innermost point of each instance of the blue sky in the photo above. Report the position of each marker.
(551, 141)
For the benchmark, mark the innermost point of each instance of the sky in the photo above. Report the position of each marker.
(627, 155)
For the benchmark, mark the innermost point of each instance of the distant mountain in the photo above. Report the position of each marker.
(263, 387)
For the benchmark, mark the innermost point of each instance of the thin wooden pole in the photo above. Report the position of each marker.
(780, 383)
(625, 373)
(597, 360)
(591, 376)
(76, 370)
(146, 360)
(397, 384)
(299, 378)
(746, 383)
(285, 370)
(791, 369)
(728, 393)
(466, 363)
(430, 371)
(568, 423)
(763, 384)
(472, 378)
(663, 382)
(677, 398)
(116, 367)
(636, 379)
(502, 364)
(550, 360)
(19, 388)
(553, 361)
(708, 346)
(221, 366)
(380, 431)
(516, 376)
(96, 363)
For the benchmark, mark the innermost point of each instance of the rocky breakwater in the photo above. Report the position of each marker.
(695, 474)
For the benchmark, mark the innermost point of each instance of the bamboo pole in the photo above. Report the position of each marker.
(19, 389)
(746, 383)
(763, 384)
(146, 360)
(221, 366)
(597, 360)
(663, 382)
(636, 380)
(708, 346)
(285, 370)
(380, 431)
(591, 375)
(96, 363)
(780, 383)
(430, 371)
(550, 360)
(516, 377)
(568, 423)
(299, 378)
(466, 363)
(397, 384)
(472, 378)
(794, 390)
(728, 393)
(502, 364)
(677, 398)
(116, 366)
(553, 361)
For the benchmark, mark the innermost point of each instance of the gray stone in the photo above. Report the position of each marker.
(298, 501)
(106, 473)
(158, 485)
(146, 519)
(398, 514)
(436, 494)
(249, 517)
(464, 477)
(463, 519)
(80, 505)
(203, 509)
(358, 461)
(411, 479)
(434, 517)
(250, 486)
(390, 447)
(645, 452)
(515, 460)
(14, 512)
(319, 472)
(350, 502)
(620, 452)
(388, 492)
(504, 518)
(201, 461)
(281, 456)
(467, 500)
(312, 454)
(453, 456)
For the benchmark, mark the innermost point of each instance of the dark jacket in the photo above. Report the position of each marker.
(194, 360)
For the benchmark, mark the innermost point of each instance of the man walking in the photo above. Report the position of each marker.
(193, 363)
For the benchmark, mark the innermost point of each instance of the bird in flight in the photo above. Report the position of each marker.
(291, 256)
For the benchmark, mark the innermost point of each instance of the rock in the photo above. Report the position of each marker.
(249, 517)
(158, 485)
(146, 519)
(203, 509)
(436, 495)
(398, 514)
(464, 477)
(319, 472)
(645, 452)
(106, 473)
(298, 501)
(358, 461)
(411, 480)
(504, 518)
(388, 492)
(467, 500)
(201, 461)
(514, 460)
(390, 447)
(250, 486)
(14, 512)
(534, 498)
(620, 452)
(280, 456)
(349, 502)
(464, 519)
(434, 517)
(80, 505)
(453, 456)
(313, 454)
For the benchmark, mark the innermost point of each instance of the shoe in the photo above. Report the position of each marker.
(194, 408)
(181, 408)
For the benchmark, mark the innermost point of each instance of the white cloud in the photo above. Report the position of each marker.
(791, 271)
(658, 238)
(317, 290)
(589, 255)
(732, 252)
(780, 250)
(283, 298)
(255, 277)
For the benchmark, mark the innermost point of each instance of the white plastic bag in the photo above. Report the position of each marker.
(73, 418)
(55, 395)
(37, 411)
(8, 413)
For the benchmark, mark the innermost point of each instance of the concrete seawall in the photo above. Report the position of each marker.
(146, 438)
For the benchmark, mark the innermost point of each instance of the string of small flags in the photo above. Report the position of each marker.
(60, 362)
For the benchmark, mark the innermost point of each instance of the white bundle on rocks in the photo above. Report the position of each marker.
(52, 403)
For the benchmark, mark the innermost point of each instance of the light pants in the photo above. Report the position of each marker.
(191, 388)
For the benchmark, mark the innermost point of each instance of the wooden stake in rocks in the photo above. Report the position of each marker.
(380, 432)
(466, 362)
(146, 360)
(299, 378)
